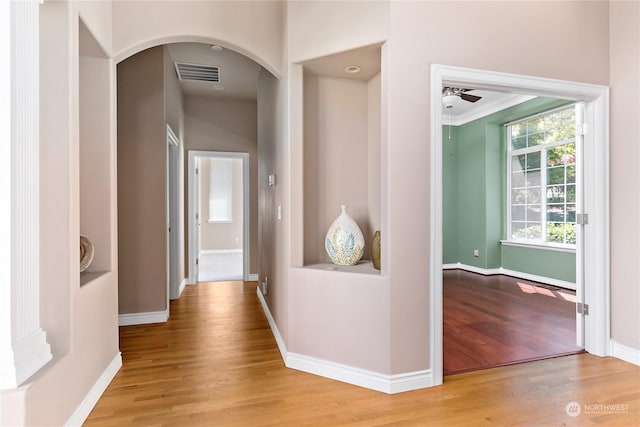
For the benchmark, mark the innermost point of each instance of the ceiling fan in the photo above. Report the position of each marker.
(451, 95)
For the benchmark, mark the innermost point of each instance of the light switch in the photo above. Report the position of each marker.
(279, 211)
(272, 180)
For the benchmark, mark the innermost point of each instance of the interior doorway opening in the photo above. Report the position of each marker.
(511, 185)
(219, 216)
(592, 248)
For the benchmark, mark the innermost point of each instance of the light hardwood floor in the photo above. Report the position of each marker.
(215, 363)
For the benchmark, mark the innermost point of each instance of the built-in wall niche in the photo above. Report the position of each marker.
(341, 149)
(95, 152)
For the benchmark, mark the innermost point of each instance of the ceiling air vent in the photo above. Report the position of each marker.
(204, 73)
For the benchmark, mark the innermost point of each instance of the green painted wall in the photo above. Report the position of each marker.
(450, 196)
(474, 200)
(558, 265)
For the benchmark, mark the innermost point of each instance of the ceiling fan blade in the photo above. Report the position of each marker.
(470, 98)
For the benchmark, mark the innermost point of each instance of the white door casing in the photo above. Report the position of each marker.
(193, 192)
(595, 264)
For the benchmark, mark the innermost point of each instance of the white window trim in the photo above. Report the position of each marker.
(558, 247)
(542, 148)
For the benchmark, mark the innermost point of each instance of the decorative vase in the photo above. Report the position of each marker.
(344, 242)
(86, 252)
(375, 250)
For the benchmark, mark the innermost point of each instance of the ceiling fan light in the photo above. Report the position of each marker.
(450, 101)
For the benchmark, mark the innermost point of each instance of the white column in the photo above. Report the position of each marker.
(23, 345)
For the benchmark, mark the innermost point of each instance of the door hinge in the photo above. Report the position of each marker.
(582, 308)
(582, 219)
(197, 217)
(197, 171)
(197, 261)
(583, 130)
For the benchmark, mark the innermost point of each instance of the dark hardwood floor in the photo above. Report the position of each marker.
(498, 320)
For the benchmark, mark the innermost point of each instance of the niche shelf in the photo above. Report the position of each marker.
(95, 152)
(342, 150)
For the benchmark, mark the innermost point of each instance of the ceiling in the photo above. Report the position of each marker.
(238, 74)
(367, 58)
(239, 77)
(491, 102)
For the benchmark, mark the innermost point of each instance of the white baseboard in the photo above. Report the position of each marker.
(389, 384)
(512, 273)
(86, 406)
(272, 323)
(622, 352)
(143, 318)
(372, 380)
(183, 284)
(220, 251)
(253, 278)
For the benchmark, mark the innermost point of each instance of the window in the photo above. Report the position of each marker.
(220, 189)
(542, 178)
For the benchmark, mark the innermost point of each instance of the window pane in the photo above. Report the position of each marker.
(533, 160)
(571, 193)
(555, 213)
(533, 178)
(519, 196)
(517, 213)
(571, 174)
(518, 129)
(517, 179)
(519, 142)
(555, 232)
(554, 155)
(535, 139)
(518, 229)
(533, 213)
(534, 231)
(533, 195)
(535, 125)
(569, 156)
(571, 212)
(555, 194)
(560, 125)
(555, 175)
(518, 162)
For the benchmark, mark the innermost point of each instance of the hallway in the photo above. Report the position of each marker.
(215, 363)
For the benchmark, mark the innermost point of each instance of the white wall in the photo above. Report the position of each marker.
(624, 44)
(340, 317)
(421, 37)
(253, 28)
(335, 159)
(81, 322)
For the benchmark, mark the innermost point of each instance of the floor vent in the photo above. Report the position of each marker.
(204, 73)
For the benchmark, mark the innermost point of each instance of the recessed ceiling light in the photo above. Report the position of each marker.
(352, 69)
(217, 87)
(216, 48)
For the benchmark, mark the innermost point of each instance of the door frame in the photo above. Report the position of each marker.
(193, 208)
(172, 163)
(594, 273)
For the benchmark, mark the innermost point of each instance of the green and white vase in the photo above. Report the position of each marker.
(344, 242)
